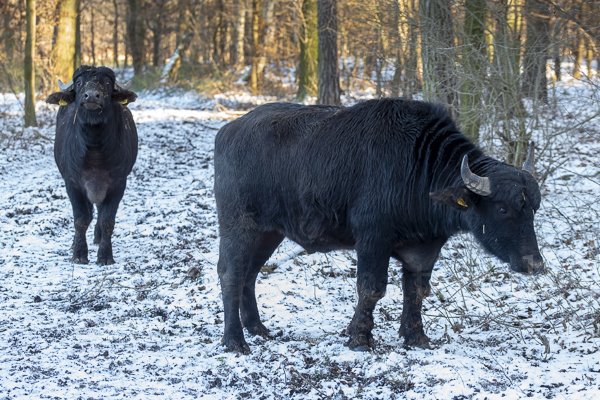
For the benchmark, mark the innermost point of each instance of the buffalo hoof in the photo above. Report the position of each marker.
(105, 260)
(97, 239)
(258, 330)
(236, 346)
(80, 260)
(361, 342)
(417, 341)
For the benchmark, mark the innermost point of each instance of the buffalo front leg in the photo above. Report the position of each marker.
(82, 216)
(415, 287)
(107, 211)
(372, 275)
(266, 245)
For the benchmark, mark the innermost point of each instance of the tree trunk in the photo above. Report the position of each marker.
(589, 58)
(256, 44)
(92, 38)
(64, 48)
(537, 42)
(473, 62)
(437, 43)
(29, 67)
(557, 62)
(170, 70)
(116, 35)
(309, 50)
(219, 33)
(240, 29)
(136, 33)
(328, 74)
(8, 32)
(77, 60)
(268, 34)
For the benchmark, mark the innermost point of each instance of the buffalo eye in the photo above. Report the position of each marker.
(79, 83)
(502, 210)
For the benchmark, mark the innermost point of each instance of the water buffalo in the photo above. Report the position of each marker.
(95, 149)
(388, 178)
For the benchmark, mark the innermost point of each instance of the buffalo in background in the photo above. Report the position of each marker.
(388, 178)
(95, 149)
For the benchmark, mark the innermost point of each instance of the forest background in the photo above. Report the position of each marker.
(491, 62)
(150, 326)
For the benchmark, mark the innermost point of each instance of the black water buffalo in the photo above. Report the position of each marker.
(388, 178)
(95, 149)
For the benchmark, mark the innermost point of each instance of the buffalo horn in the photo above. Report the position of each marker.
(65, 87)
(475, 183)
(528, 165)
(119, 87)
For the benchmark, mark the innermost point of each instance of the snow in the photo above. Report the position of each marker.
(149, 326)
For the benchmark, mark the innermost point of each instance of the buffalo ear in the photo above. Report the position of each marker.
(124, 97)
(457, 197)
(61, 98)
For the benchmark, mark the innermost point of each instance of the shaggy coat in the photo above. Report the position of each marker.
(95, 149)
(382, 177)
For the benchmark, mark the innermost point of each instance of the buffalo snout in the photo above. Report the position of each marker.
(92, 99)
(531, 264)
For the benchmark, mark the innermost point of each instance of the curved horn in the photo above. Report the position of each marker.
(65, 87)
(119, 87)
(528, 165)
(475, 183)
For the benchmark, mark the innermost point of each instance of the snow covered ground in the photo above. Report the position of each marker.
(149, 326)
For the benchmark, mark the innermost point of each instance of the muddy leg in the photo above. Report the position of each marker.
(82, 216)
(248, 307)
(107, 212)
(371, 284)
(415, 287)
(236, 251)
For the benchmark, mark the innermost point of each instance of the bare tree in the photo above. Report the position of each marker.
(328, 74)
(29, 69)
(116, 35)
(257, 36)
(439, 58)
(473, 71)
(136, 33)
(309, 50)
(537, 44)
(63, 54)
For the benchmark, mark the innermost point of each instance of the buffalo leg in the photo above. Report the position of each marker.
(235, 254)
(415, 287)
(371, 282)
(417, 265)
(97, 233)
(248, 308)
(107, 211)
(82, 216)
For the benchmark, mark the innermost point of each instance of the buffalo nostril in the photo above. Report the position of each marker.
(86, 96)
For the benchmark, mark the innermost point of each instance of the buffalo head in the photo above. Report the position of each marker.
(499, 209)
(93, 92)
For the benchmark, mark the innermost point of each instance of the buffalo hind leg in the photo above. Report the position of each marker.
(82, 216)
(97, 232)
(265, 247)
(236, 250)
(371, 281)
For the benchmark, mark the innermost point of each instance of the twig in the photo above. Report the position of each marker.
(299, 375)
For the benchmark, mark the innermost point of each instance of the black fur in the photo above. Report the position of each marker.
(382, 177)
(95, 149)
